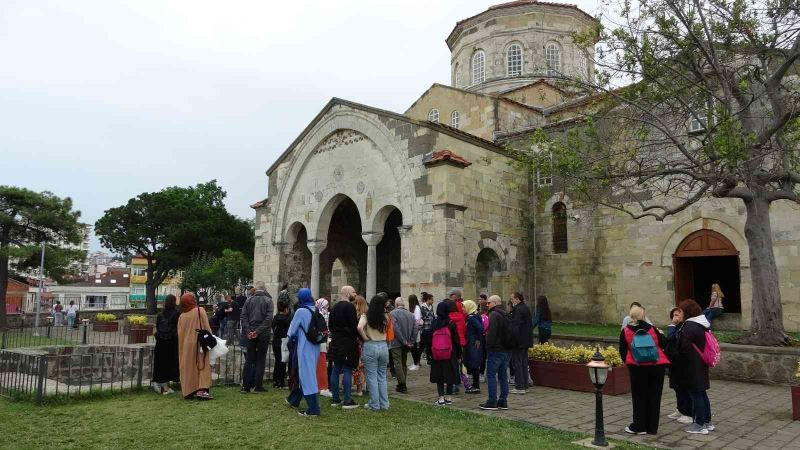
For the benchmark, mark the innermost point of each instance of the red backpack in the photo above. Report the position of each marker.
(442, 344)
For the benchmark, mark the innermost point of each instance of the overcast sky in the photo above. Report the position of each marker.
(102, 100)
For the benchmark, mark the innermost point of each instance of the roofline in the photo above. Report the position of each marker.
(452, 132)
(479, 94)
(512, 4)
(532, 83)
(507, 136)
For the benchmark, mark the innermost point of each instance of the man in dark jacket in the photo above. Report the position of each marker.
(522, 321)
(232, 313)
(498, 338)
(256, 318)
(343, 351)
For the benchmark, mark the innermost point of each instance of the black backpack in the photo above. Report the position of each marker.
(317, 332)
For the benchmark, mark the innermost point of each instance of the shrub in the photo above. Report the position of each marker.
(577, 354)
(137, 320)
(103, 317)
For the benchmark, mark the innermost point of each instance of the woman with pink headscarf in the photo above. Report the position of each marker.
(322, 363)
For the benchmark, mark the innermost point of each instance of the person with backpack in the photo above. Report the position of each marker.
(305, 334)
(641, 347)
(444, 349)
(543, 319)
(372, 328)
(694, 340)
(499, 343)
(476, 344)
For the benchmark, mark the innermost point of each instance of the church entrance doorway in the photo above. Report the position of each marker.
(388, 256)
(344, 260)
(703, 258)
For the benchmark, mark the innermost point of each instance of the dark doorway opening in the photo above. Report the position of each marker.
(703, 258)
(388, 252)
(344, 259)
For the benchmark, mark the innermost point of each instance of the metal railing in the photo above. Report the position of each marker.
(85, 302)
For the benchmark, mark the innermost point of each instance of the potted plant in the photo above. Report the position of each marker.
(139, 329)
(796, 395)
(565, 368)
(105, 323)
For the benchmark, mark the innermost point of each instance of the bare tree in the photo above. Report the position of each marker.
(709, 108)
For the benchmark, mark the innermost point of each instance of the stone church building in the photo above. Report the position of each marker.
(427, 200)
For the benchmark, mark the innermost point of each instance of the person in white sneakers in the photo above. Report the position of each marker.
(416, 349)
(691, 344)
(677, 369)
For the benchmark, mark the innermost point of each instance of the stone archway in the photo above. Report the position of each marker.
(702, 258)
(343, 244)
(488, 273)
(295, 261)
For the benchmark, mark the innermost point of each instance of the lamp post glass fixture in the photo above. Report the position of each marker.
(598, 372)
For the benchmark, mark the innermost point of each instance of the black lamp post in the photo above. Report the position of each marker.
(598, 371)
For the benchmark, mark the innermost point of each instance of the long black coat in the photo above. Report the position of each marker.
(473, 356)
(342, 324)
(678, 377)
(447, 372)
(522, 321)
(694, 376)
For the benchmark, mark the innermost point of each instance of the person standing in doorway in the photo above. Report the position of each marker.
(521, 320)
(715, 308)
(257, 326)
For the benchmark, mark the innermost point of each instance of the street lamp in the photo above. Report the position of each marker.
(598, 372)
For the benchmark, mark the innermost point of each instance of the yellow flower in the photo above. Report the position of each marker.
(137, 320)
(576, 354)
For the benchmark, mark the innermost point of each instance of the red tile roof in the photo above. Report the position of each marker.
(446, 156)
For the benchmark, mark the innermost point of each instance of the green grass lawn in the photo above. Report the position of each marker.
(15, 340)
(613, 330)
(233, 420)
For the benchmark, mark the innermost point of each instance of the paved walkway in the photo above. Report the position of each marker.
(747, 416)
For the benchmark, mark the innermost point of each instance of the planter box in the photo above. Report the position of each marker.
(140, 333)
(795, 402)
(575, 377)
(106, 327)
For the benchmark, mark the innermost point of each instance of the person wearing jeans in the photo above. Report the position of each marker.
(372, 329)
(498, 346)
(691, 344)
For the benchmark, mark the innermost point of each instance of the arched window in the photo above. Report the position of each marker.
(553, 56)
(514, 60)
(478, 67)
(456, 77)
(581, 69)
(559, 228)
(433, 115)
(454, 119)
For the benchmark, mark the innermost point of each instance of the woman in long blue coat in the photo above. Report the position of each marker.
(304, 357)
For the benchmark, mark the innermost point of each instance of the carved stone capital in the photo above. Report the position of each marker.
(372, 239)
(316, 247)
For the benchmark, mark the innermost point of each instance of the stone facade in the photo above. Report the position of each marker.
(394, 202)
(499, 27)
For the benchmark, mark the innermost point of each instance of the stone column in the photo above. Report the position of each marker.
(316, 248)
(372, 240)
(405, 259)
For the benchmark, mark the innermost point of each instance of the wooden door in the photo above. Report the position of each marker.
(683, 271)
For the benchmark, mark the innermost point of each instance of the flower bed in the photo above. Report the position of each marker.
(565, 368)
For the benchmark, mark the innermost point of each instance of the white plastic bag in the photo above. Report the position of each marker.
(218, 351)
(285, 350)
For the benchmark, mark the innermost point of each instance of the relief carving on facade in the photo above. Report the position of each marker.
(340, 138)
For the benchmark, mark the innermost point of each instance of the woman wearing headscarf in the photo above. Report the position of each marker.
(322, 363)
(165, 354)
(195, 367)
(476, 341)
(304, 357)
(444, 372)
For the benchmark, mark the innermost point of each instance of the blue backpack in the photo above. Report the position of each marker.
(643, 347)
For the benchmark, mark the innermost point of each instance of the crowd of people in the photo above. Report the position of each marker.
(361, 345)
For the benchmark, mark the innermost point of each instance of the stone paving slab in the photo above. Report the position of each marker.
(746, 416)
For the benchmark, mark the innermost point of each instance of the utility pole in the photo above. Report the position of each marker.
(41, 291)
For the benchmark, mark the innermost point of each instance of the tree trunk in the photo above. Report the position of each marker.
(3, 287)
(767, 321)
(150, 299)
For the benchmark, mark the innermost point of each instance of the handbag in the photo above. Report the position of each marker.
(219, 350)
(285, 350)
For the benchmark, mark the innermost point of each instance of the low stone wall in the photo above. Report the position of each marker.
(749, 363)
(26, 320)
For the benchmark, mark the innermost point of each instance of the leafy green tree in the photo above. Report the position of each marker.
(711, 110)
(27, 219)
(167, 228)
(222, 274)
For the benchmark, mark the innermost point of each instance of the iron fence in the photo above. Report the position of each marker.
(84, 333)
(38, 374)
